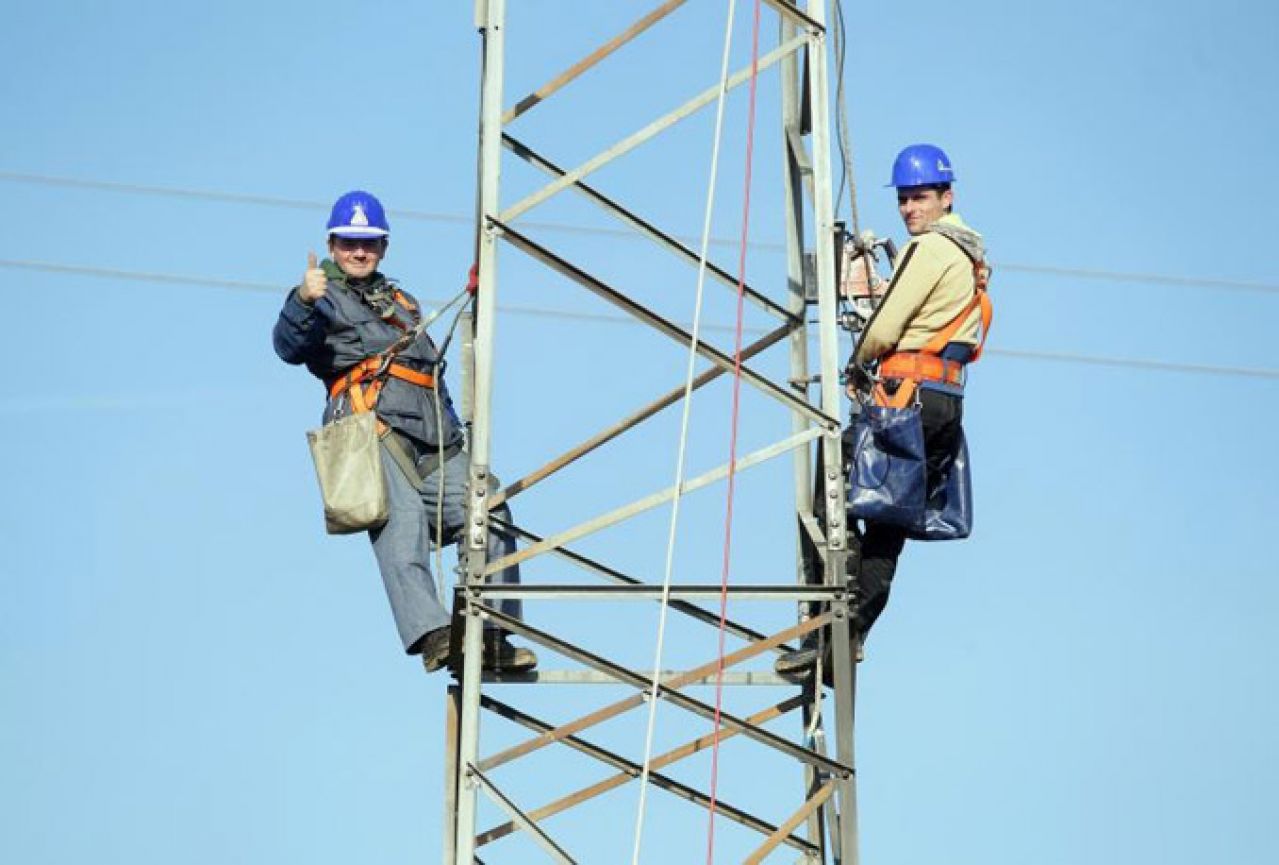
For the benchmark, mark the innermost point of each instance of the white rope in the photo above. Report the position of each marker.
(425, 322)
(439, 488)
(439, 438)
(683, 434)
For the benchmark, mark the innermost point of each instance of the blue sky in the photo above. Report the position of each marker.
(191, 671)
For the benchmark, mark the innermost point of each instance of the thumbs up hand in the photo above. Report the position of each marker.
(314, 282)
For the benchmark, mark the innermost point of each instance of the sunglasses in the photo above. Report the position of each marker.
(350, 244)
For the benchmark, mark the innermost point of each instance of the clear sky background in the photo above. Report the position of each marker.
(191, 671)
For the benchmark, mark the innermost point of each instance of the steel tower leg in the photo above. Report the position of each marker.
(836, 552)
(491, 14)
(793, 191)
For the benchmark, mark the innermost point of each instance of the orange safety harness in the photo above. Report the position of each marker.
(927, 364)
(376, 369)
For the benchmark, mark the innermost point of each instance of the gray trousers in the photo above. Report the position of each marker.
(403, 545)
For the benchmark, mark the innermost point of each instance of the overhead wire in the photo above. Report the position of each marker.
(412, 215)
(846, 174)
(1269, 373)
(210, 195)
(842, 136)
(141, 275)
(1138, 363)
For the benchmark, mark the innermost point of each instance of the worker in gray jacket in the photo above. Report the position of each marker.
(338, 322)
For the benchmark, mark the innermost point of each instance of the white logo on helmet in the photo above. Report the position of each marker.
(942, 166)
(358, 217)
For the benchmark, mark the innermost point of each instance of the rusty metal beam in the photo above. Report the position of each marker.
(594, 58)
(643, 226)
(692, 610)
(607, 435)
(675, 332)
(784, 831)
(619, 707)
(629, 770)
(668, 691)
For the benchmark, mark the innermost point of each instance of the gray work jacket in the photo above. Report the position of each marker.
(342, 328)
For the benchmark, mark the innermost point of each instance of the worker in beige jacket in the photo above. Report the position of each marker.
(923, 333)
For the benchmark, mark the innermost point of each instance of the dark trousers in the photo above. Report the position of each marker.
(880, 544)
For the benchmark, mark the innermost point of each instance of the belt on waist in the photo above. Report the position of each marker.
(370, 368)
(921, 367)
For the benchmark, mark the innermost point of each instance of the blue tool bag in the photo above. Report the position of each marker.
(948, 513)
(888, 477)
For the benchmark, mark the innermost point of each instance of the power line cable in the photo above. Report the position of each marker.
(459, 219)
(1137, 363)
(1151, 278)
(140, 275)
(210, 195)
(1269, 373)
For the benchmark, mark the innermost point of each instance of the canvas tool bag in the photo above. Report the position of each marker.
(888, 475)
(346, 451)
(349, 467)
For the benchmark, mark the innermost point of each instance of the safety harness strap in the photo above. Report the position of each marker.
(364, 397)
(922, 367)
(403, 300)
(417, 471)
(903, 396)
(926, 364)
(981, 300)
(372, 368)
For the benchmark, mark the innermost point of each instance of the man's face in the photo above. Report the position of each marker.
(357, 256)
(920, 207)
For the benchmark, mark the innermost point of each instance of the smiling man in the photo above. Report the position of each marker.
(934, 289)
(340, 321)
(933, 275)
(926, 329)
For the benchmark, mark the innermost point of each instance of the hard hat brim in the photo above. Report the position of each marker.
(348, 231)
(924, 185)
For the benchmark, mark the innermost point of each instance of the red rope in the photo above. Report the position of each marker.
(732, 440)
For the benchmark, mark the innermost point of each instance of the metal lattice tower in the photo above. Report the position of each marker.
(820, 825)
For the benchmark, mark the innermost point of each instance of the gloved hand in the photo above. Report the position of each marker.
(858, 378)
(314, 283)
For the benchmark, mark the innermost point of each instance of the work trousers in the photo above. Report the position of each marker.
(881, 544)
(403, 544)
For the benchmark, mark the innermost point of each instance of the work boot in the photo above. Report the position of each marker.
(435, 649)
(501, 657)
(797, 666)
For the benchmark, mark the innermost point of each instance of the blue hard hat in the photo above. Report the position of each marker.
(358, 214)
(922, 165)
